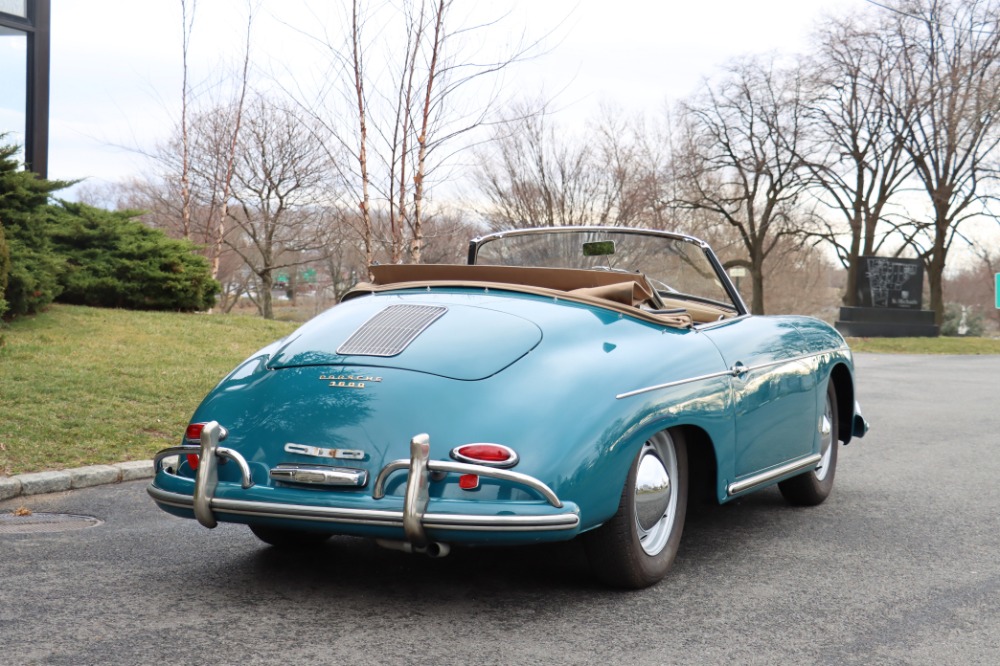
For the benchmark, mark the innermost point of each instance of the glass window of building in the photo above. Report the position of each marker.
(13, 83)
(15, 7)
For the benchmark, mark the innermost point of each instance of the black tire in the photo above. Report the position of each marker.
(280, 537)
(814, 486)
(635, 549)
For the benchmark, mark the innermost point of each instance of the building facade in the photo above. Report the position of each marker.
(24, 79)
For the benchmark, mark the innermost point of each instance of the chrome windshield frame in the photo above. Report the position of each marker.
(741, 308)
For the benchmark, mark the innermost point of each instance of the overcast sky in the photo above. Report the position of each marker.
(116, 64)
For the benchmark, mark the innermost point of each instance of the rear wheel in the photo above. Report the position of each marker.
(814, 486)
(637, 546)
(287, 538)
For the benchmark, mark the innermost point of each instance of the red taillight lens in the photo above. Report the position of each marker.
(493, 455)
(468, 481)
(193, 432)
(193, 436)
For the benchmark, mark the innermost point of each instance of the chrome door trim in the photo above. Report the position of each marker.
(756, 480)
(737, 370)
(679, 382)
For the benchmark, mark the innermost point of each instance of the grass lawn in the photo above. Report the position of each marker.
(926, 345)
(82, 386)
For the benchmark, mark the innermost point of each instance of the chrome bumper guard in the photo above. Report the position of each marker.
(414, 518)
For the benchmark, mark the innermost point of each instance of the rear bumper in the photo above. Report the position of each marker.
(414, 518)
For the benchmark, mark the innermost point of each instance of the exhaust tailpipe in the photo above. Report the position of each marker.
(433, 549)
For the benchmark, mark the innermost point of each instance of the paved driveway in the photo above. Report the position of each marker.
(899, 566)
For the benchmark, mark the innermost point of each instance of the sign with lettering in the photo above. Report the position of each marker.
(886, 282)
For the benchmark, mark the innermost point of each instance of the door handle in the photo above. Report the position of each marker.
(739, 370)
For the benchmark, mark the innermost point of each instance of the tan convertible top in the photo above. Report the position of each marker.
(622, 292)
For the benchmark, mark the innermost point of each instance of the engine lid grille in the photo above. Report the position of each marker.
(391, 331)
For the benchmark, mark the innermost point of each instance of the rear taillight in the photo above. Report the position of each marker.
(491, 455)
(192, 437)
(193, 433)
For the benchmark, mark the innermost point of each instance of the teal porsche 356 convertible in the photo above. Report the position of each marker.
(567, 382)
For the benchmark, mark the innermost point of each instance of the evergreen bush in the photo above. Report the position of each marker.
(113, 260)
(4, 269)
(32, 279)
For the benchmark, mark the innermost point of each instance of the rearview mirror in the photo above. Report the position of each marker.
(598, 248)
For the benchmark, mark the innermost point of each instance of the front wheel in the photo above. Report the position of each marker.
(637, 546)
(814, 486)
(285, 538)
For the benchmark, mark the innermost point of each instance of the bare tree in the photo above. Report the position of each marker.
(187, 25)
(219, 230)
(535, 174)
(532, 178)
(863, 164)
(743, 159)
(949, 52)
(414, 80)
(284, 191)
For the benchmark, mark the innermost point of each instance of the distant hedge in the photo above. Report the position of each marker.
(113, 260)
(83, 255)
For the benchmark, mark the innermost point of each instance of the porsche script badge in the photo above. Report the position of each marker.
(350, 380)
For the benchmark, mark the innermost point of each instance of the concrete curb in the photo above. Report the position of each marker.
(37, 483)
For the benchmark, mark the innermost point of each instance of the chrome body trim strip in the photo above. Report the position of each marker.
(382, 518)
(764, 477)
(679, 382)
(737, 370)
(320, 475)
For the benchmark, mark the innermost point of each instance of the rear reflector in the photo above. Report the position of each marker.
(468, 481)
(491, 455)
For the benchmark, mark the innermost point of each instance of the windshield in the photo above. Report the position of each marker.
(675, 266)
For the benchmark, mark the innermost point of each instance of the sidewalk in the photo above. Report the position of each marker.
(81, 477)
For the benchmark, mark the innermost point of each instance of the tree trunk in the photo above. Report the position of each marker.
(757, 282)
(266, 284)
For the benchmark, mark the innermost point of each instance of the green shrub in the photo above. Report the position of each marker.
(4, 269)
(973, 322)
(32, 278)
(113, 260)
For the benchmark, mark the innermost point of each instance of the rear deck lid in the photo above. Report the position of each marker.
(453, 340)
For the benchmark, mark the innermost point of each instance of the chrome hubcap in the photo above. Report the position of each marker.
(826, 441)
(656, 493)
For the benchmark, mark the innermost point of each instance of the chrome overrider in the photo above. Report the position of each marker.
(413, 519)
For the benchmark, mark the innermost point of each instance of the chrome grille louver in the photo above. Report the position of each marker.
(391, 331)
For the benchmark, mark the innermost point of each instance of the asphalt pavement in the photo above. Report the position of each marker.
(899, 566)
